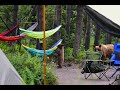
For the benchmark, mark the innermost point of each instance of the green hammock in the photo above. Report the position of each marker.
(40, 35)
(40, 53)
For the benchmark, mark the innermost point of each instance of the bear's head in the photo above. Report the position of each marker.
(98, 48)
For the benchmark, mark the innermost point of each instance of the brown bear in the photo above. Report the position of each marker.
(107, 50)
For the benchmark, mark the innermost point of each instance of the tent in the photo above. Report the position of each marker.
(8, 74)
(106, 17)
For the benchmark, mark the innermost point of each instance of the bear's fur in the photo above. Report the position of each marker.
(107, 50)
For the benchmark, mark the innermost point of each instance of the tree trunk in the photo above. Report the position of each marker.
(68, 16)
(39, 45)
(117, 39)
(97, 35)
(108, 38)
(33, 19)
(58, 20)
(15, 11)
(87, 34)
(33, 14)
(15, 18)
(10, 23)
(77, 41)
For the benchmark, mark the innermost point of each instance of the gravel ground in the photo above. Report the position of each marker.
(71, 75)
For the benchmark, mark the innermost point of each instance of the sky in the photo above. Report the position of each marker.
(112, 12)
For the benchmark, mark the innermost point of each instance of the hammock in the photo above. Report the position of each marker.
(40, 53)
(40, 35)
(10, 38)
(56, 44)
(31, 28)
(8, 31)
(18, 37)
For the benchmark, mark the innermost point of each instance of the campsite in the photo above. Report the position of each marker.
(59, 45)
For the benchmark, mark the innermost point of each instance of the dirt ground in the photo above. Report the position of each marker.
(70, 74)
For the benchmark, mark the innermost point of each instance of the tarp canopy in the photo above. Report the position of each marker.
(106, 17)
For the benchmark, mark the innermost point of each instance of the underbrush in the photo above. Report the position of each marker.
(70, 58)
(30, 68)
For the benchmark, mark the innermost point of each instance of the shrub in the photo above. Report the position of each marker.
(31, 68)
(68, 54)
(80, 56)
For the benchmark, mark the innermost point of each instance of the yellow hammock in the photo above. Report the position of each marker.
(40, 35)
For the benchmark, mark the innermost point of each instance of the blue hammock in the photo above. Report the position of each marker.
(40, 53)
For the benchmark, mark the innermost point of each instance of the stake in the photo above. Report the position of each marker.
(44, 43)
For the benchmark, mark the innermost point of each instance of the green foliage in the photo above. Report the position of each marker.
(80, 56)
(50, 16)
(68, 54)
(30, 68)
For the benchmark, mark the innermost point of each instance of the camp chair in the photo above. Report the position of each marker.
(94, 65)
(116, 58)
(116, 81)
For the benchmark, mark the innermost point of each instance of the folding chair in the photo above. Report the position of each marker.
(116, 58)
(94, 65)
(116, 81)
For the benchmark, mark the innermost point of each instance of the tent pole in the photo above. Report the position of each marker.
(44, 43)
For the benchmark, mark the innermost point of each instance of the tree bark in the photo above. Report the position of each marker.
(33, 19)
(97, 35)
(33, 14)
(77, 41)
(108, 38)
(87, 34)
(39, 45)
(68, 16)
(15, 12)
(58, 20)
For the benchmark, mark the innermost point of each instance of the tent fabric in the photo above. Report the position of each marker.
(109, 11)
(103, 22)
(40, 53)
(18, 37)
(8, 74)
(40, 35)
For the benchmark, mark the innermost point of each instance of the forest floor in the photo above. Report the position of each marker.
(70, 74)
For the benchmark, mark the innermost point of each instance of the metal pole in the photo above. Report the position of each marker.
(44, 43)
